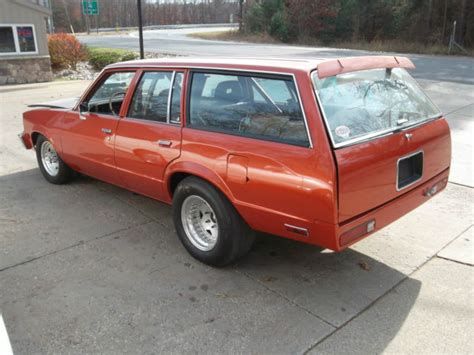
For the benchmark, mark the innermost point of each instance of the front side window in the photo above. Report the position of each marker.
(157, 97)
(109, 96)
(17, 39)
(365, 104)
(254, 106)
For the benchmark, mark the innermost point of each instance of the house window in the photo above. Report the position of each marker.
(17, 39)
(7, 43)
(26, 38)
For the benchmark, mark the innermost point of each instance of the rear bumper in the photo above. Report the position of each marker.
(363, 226)
(25, 140)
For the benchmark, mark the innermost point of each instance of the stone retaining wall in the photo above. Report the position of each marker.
(25, 70)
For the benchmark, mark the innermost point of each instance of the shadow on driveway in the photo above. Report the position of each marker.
(88, 267)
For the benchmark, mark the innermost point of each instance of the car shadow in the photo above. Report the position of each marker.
(338, 289)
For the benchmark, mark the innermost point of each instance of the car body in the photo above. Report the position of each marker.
(259, 132)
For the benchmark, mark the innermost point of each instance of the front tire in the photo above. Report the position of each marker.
(51, 165)
(208, 225)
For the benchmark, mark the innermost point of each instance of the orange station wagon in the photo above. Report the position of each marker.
(324, 152)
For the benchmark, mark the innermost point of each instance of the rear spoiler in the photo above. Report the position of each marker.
(346, 65)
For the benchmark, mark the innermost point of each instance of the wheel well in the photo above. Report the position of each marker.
(175, 179)
(34, 137)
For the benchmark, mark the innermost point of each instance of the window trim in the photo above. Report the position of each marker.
(169, 99)
(97, 83)
(248, 73)
(370, 136)
(14, 28)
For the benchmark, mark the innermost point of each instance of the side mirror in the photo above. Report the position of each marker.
(83, 108)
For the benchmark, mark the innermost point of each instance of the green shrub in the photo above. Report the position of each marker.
(129, 56)
(280, 27)
(101, 57)
(254, 19)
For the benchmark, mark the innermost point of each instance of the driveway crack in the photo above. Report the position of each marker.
(82, 242)
(289, 300)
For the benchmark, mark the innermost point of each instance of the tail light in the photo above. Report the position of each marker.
(357, 232)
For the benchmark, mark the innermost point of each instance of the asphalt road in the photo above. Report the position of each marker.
(175, 41)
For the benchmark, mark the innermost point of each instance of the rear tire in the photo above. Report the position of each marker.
(208, 225)
(51, 165)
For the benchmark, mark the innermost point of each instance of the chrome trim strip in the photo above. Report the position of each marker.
(422, 168)
(168, 111)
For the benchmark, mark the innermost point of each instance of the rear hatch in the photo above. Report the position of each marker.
(388, 137)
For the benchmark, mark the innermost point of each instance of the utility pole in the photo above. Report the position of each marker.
(140, 28)
(241, 15)
(67, 16)
(88, 24)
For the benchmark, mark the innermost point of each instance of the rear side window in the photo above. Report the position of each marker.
(246, 105)
(157, 97)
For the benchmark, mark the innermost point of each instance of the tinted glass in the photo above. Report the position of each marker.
(150, 100)
(252, 106)
(7, 43)
(112, 90)
(369, 102)
(26, 39)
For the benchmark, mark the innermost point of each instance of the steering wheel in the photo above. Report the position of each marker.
(111, 106)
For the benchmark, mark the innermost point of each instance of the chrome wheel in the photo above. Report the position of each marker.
(49, 158)
(199, 222)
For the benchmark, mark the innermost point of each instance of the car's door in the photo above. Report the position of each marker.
(149, 136)
(89, 133)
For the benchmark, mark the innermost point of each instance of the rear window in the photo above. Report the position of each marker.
(265, 108)
(365, 104)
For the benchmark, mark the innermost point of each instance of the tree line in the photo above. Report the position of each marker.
(426, 21)
(326, 21)
(123, 13)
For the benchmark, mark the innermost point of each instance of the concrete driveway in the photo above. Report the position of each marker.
(92, 268)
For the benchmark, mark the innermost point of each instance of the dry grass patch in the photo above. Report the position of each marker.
(374, 46)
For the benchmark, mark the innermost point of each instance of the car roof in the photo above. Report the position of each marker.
(326, 66)
(284, 65)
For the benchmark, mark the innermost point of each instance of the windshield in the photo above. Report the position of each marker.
(368, 103)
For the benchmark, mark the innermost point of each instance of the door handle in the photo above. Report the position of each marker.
(164, 143)
(106, 130)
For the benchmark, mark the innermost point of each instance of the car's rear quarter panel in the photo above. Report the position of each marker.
(269, 183)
